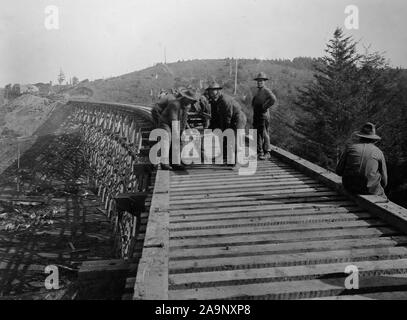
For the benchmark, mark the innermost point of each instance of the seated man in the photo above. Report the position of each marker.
(174, 110)
(362, 165)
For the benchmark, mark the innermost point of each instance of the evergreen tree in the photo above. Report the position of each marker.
(378, 87)
(330, 102)
(349, 89)
(392, 126)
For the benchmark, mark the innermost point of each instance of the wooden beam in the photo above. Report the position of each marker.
(288, 247)
(277, 235)
(228, 277)
(351, 255)
(152, 275)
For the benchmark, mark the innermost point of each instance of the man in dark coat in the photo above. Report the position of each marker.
(226, 112)
(362, 165)
(262, 101)
(174, 110)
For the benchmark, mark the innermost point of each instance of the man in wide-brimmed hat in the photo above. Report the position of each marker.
(262, 101)
(362, 165)
(226, 112)
(175, 110)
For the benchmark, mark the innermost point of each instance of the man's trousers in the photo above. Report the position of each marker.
(262, 125)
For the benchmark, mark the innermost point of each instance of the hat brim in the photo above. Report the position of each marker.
(257, 79)
(217, 88)
(188, 97)
(372, 137)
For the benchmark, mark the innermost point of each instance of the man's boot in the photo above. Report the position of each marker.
(178, 167)
(261, 156)
(165, 167)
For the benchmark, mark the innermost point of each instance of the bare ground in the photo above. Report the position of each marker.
(63, 228)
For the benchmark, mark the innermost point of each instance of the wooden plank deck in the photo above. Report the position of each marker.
(287, 232)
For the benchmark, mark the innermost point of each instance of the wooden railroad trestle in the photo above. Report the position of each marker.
(116, 144)
(287, 232)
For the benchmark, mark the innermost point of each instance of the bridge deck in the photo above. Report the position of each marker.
(289, 231)
(278, 234)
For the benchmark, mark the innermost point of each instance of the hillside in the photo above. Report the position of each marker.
(23, 115)
(138, 86)
(143, 86)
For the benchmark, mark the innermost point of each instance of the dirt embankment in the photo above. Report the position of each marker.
(22, 120)
(23, 115)
(62, 224)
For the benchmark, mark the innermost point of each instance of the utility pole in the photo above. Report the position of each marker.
(235, 78)
(165, 55)
(19, 140)
(18, 165)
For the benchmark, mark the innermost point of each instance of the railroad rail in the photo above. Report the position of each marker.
(290, 231)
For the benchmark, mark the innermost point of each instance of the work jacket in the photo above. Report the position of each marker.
(227, 113)
(261, 102)
(363, 169)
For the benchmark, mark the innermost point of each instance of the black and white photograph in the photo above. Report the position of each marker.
(174, 151)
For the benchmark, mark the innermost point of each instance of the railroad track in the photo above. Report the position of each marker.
(279, 234)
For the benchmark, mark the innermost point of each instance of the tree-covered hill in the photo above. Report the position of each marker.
(143, 86)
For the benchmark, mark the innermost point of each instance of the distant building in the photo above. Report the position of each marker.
(13, 91)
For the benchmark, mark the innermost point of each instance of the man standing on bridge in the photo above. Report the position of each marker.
(174, 110)
(262, 101)
(226, 112)
(362, 165)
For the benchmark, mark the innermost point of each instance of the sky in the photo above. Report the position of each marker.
(104, 38)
